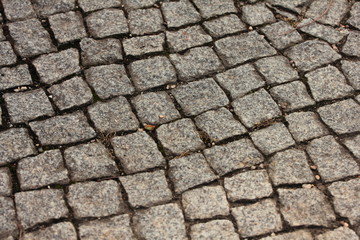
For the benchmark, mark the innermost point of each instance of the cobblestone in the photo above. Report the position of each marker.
(338, 233)
(131, 4)
(49, 7)
(145, 21)
(296, 235)
(257, 14)
(222, 229)
(281, 34)
(59, 231)
(353, 144)
(211, 8)
(177, 14)
(92, 5)
(224, 25)
(7, 53)
(354, 19)
(335, 14)
(5, 182)
(351, 45)
(18, 9)
(7, 217)
(352, 72)
(138, 46)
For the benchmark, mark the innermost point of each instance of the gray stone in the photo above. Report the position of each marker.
(234, 155)
(240, 80)
(145, 21)
(14, 77)
(211, 8)
(328, 83)
(137, 152)
(5, 182)
(338, 233)
(8, 56)
(88, 161)
(109, 80)
(179, 13)
(63, 129)
(30, 38)
(333, 16)
(155, 108)
(18, 9)
(353, 144)
(179, 137)
(134, 4)
(213, 230)
(2, 36)
(25, 106)
(305, 206)
(15, 143)
(354, 19)
(49, 7)
(8, 223)
(152, 72)
(95, 199)
(290, 167)
(138, 46)
(107, 22)
(264, 218)
(312, 54)
(55, 66)
(294, 5)
(224, 25)
(58, 231)
(146, 189)
(113, 116)
(241, 48)
(281, 34)
(257, 14)
(342, 117)
(42, 170)
(161, 222)
(352, 72)
(219, 124)
(92, 5)
(296, 235)
(189, 171)
(272, 139)
(351, 46)
(205, 202)
(40, 206)
(117, 227)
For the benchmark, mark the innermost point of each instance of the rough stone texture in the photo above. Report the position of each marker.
(281, 34)
(113, 116)
(30, 38)
(342, 117)
(264, 218)
(137, 152)
(92, 5)
(190, 171)
(295, 5)
(29, 105)
(8, 223)
(353, 144)
(138, 46)
(134, 4)
(328, 83)
(296, 235)
(88, 161)
(196, 63)
(205, 202)
(255, 108)
(109, 80)
(2, 36)
(312, 54)
(338, 233)
(211, 8)
(40, 206)
(224, 25)
(152, 72)
(8, 56)
(232, 156)
(213, 230)
(354, 19)
(5, 182)
(58, 231)
(161, 222)
(257, 14)
(351, 47)
(146, 189)
(145, 21)
(55, 66)
(63, 129)
(95, 199)
(18, 9)
(49, 7)
(304, 207)
(352, 72)
(179, 13)
(334, 15)
(14, 77)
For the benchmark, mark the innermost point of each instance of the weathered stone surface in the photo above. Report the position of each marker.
(281, 34)
(18, 9)
(179, 13)
(352, 72)
(333, 16)
(92, 5)
(8, 223)
(212, 230)
(14, 77)
(49, 7)
(5, 182)
(354, 19)
(338, 233)
(351, 46)
(296, 235)
(353, 144)
(58, 231)
(2, 36)
(134, 4)
(138, 46)
(211, 8)
(294, 5)
(97, 52)
(145, 21)
(8, 56)
(257, 14)
(224, 25)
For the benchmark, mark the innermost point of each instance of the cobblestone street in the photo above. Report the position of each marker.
(180, 119)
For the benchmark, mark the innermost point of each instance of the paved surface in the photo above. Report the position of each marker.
(190, 119)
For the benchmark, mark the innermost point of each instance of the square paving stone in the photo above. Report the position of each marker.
(40, 206)
(5, 182)
(18, 9)
(219, 124)
(352, 72)
(292, 96)
(8, 56)
(224, 25)
(8, 223)
(257, 14)
(248, 185)
(25, 106)
(30, 38)
(117, 227)
(328, 83)
(354, 19)
(152, 72)
(64, 129)
(155, 108)
(58, 231)
(335, 14)
(55, 66)
(42, 170)
(190, 171)
(351, 46)
(213, 230)
(281, 34)
(146, 189)
(95, 199)
(196, 62)
(161, 222)
(71, 93)
(113, 116)
(14, 77)
(199, 96)
(92, 5)
(312, 54)
(145, 21)
(91, 160)
(264, 218)
(2, 36)
(338, 233)
(346, 199)
(341, 117)
(205, 202)
(179, 13)
(179, 137)
(353, 144)
(134, 4)
(138, 46)
(305, 207)
(272, 139)
(255, 108)
(107, 22)
(290, 167)
(211, 8)
(240, 80)
(15, 143)
(234, 155)
(109, 80)
(137, 152)
(241, 48)
(296, 235)
(49, 7)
